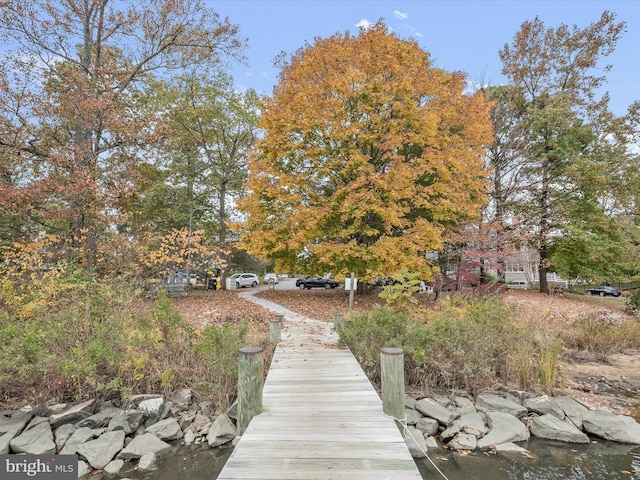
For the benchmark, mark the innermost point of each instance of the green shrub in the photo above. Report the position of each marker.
(367, 333)
(632, 305)
(402, 291)
(464, 343)
(70, 348)
(88, 339)
(217, 355)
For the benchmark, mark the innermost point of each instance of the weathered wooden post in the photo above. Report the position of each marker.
(280, 317)
(275, 330)
(250, 378)
(338, 321)
(392, 375)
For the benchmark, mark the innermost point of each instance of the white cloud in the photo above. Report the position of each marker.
(364, 23)
(400, 15)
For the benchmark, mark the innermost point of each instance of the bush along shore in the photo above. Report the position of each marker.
(118, 439)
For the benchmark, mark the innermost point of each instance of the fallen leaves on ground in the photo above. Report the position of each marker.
(322, 304)
(215, 307)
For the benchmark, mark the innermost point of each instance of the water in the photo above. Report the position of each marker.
(600, 460)
(195, 462)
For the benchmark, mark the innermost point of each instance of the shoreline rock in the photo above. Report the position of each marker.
(107, 437)
(496, 420)
(119, 439)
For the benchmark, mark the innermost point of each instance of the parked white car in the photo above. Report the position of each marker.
(270, 278)
(245, 279)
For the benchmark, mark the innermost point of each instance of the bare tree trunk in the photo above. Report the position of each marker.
(543, 246)
(222, 229)
(542, 269)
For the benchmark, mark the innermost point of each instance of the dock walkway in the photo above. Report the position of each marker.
(322, 419)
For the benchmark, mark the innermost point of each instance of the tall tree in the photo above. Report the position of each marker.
(369, 156)
(573, 143)
(218, 126)
(68, 100)
(211, 130)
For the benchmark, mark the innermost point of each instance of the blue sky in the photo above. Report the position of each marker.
(463, 35)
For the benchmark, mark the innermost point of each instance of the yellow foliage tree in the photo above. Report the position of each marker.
(180, 249)
(32, 277)
(369, 156)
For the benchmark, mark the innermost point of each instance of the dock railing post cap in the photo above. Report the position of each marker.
(251, 350)
(392, 351)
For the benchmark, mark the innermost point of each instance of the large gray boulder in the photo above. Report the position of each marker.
(73, 414)
(463, 405)
(472, 423)
(142, 444)
(62, 434)
(80, 436)
(35, 441)
(511, 447)
(413, 416)
(11, 427)
(617, 428)
(127, 420)
(83, 468)
(99, 452)
(416, 443)
(428, 426)
(504, 428)
(113, 467)
(409, 402)
(544, 405)
(574, 410)
(433, 409)
(490, 402)
(100, 419)
(154, 406)
(147, 462)
(182, 399)
(463, 441)
(552, 428)
(221, 431)
(167, 429)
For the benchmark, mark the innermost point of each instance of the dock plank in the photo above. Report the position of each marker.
(322, 419)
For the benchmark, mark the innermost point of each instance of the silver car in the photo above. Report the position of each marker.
(245, 279)
(270, 278)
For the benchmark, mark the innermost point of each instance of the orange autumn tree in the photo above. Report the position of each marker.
(74, 127)
(370, 155)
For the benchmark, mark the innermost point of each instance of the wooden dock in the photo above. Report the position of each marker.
(322, 419)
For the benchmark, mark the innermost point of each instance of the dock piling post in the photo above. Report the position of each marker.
(250, 380)
(275, 330)
(392, 376)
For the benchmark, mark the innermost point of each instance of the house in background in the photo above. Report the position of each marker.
(521, 271)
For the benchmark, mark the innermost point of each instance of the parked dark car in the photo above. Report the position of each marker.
(311, 282)
(604, 291)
